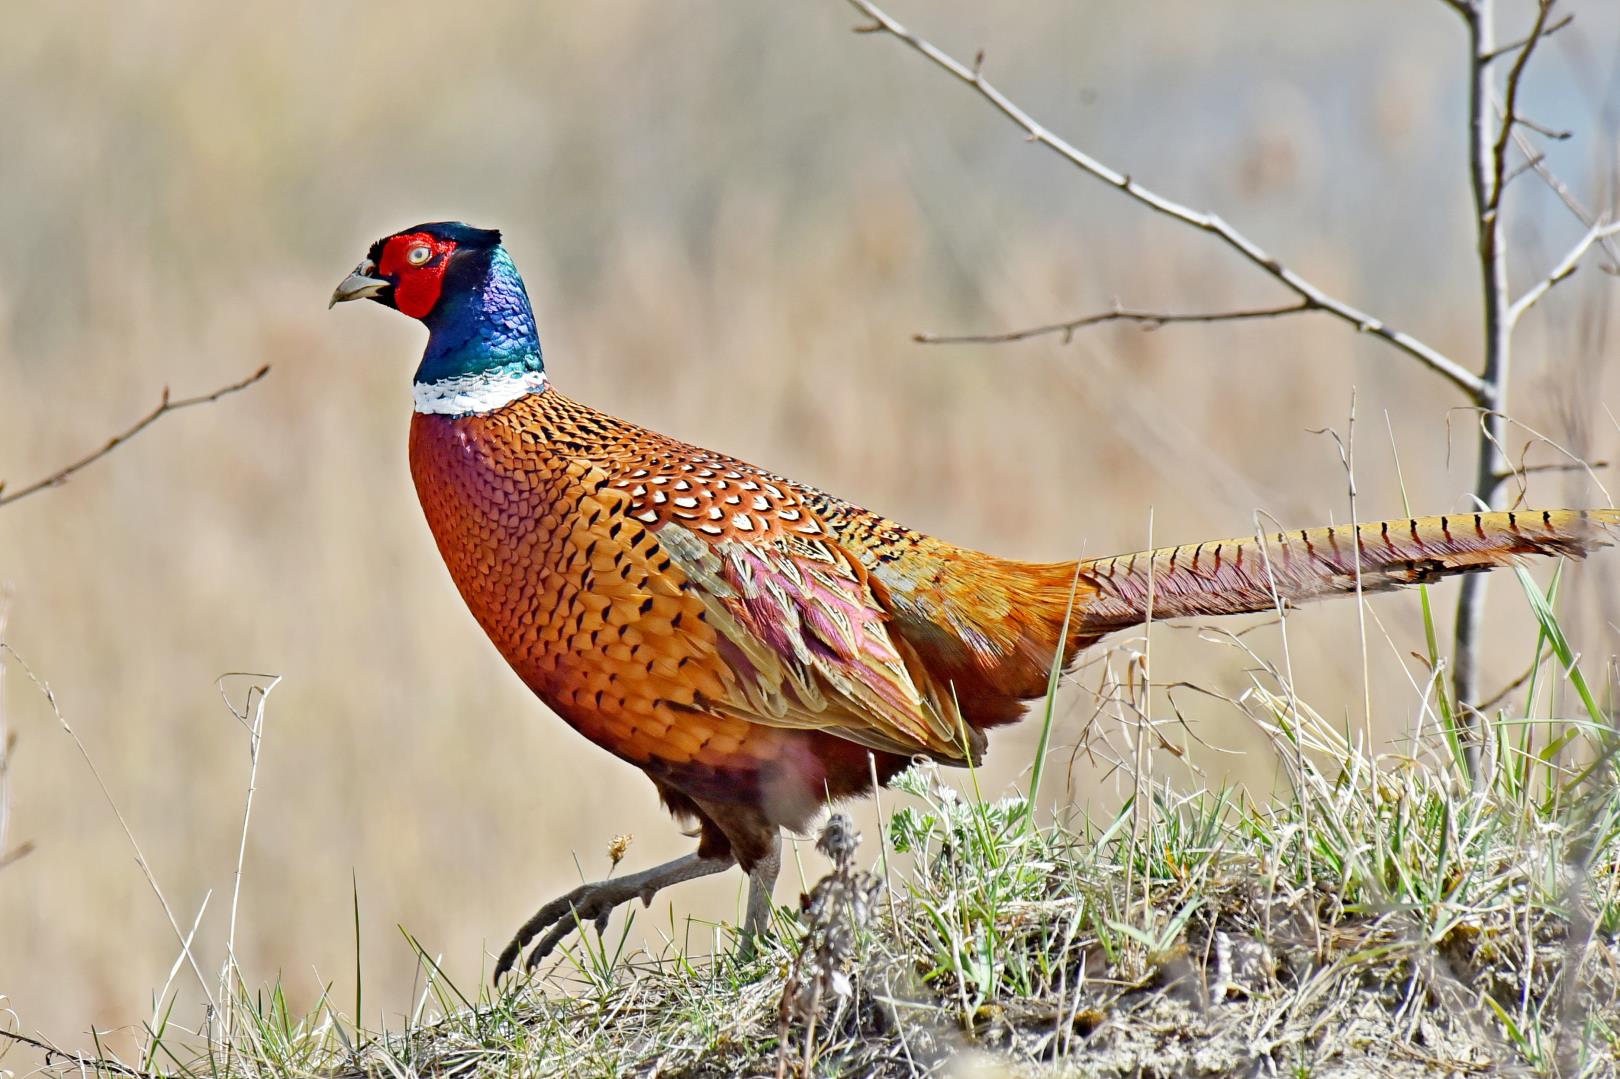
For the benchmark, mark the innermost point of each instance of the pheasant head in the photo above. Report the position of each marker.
(462, 285)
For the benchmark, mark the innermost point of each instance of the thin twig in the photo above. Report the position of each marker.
(1347, 458)
(1547, 32)
(1149, 320)
(140, 856)
(1598, 233)
(1510, 100)
(154, 1025)
(1496, 698)
(1537, 161)
(1425, 354)
(1554, 133)
(1142, 774)
(1576, 461)
(1300, 777)
(252, 717)
(1529, 164)
(1522, 469)
(164, 407)
(81, 1063)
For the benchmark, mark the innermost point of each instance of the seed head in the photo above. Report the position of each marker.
(617, 846)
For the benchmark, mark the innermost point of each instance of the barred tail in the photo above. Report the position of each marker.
(1236, 576)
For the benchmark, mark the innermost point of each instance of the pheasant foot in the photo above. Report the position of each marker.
(595, 901)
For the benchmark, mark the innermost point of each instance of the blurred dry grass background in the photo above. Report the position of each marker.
(731, 218)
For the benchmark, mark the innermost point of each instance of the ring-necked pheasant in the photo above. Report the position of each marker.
(748, 641)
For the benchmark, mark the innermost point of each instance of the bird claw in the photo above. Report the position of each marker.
(588, 904)
(593, 904)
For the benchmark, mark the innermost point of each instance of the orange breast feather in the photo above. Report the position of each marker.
(734, 634)
(573, 593)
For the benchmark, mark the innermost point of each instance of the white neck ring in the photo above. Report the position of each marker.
(483, 391)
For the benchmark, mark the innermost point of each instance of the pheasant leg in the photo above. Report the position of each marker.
(761, 883)
(595, 901)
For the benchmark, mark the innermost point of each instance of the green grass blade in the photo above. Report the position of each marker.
(359, 1001)
(1052, 679)
(1541, 607)
(1431, 640)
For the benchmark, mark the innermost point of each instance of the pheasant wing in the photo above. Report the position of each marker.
(809, 643)
(800, 626)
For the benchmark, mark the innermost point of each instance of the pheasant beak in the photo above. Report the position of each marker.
(359, 285)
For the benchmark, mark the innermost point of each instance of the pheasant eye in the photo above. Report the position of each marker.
(418, 255)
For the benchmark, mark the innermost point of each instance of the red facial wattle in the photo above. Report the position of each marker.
(416, 288)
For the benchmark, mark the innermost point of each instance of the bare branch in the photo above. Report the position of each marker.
(1510, 100)
(164, 407)
(1149, 320)
(1425, 354)
(1556, 134)
(1598, 233)
(1485, 177)
(1551, 29)
(1537, 161)
(1523, 469)
(1532, 161)
(77, 1061)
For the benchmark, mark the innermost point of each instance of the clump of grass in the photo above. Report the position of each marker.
(1402, 912)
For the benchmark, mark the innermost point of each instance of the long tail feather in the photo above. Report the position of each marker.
(1236, 575)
